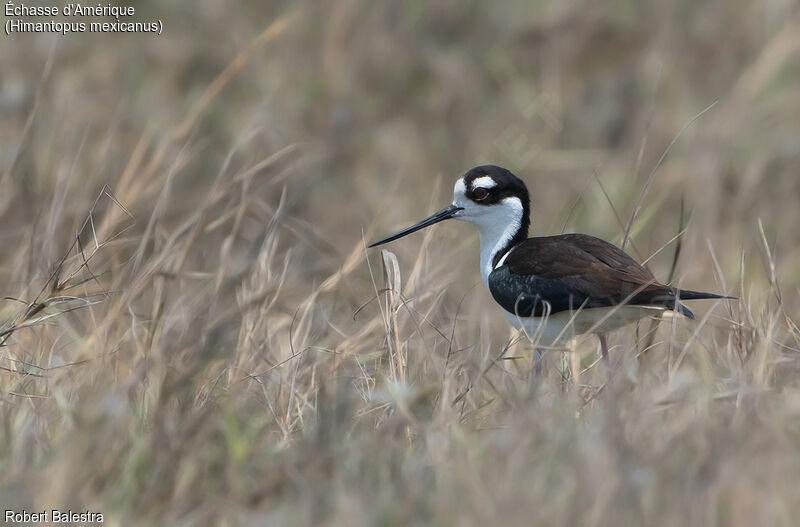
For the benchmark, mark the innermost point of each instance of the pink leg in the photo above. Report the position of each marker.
(604, 348)
(606, 360)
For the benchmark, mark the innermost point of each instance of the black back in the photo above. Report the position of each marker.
(573, 270)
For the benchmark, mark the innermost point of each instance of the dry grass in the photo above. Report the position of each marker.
(193, 333)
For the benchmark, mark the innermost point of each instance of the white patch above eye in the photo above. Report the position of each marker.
(484, 181)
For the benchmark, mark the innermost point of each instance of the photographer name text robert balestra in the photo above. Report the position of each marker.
(52, 516)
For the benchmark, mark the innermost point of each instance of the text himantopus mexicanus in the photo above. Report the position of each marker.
(552, 287)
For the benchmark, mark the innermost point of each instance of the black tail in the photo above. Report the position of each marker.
(683, 310)
(686, 294)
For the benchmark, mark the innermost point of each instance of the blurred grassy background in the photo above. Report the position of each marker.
(237, 367)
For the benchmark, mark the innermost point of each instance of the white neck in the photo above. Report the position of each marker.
(497, 223)
(496, 228)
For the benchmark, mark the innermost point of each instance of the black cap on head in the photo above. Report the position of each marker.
(505, 185)
(484, 185)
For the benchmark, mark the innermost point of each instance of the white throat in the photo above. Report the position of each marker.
(497, 223)
(496, 227)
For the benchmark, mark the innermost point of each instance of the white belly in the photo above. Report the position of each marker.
(559, 328)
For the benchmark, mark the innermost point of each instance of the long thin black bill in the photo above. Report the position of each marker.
(445, 213)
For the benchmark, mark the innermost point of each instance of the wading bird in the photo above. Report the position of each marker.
(551, 287)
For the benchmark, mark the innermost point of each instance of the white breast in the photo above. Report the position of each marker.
(558, 328)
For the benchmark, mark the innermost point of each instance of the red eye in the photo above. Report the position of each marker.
(479, 193)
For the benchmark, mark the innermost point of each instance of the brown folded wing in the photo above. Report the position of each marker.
(573, 270)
